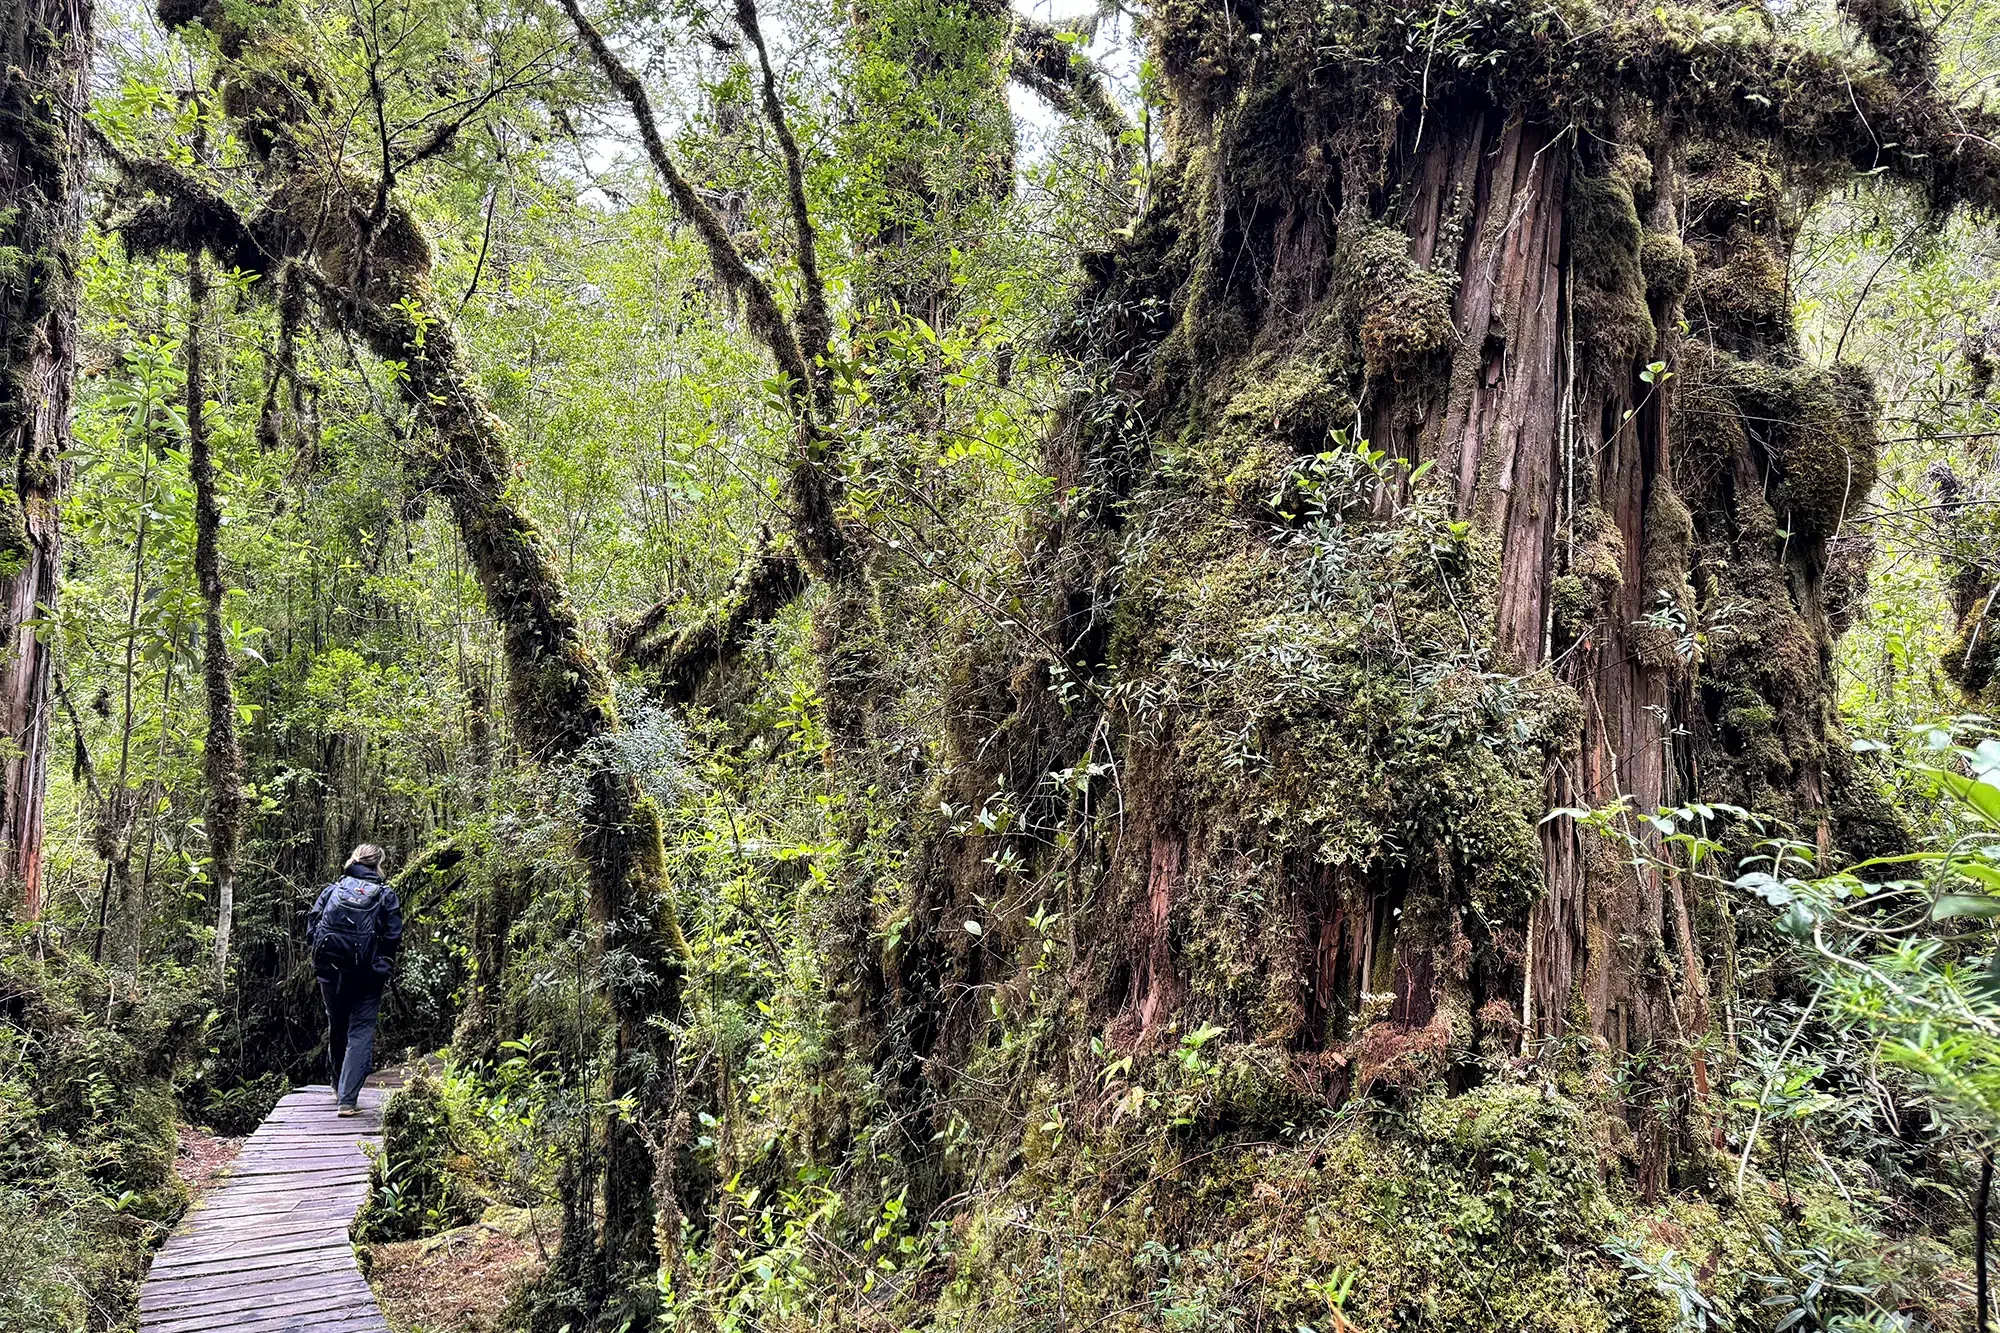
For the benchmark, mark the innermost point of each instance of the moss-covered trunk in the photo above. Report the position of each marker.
(222, 753)
(560, 695)
(1332, 688)
(42, 100)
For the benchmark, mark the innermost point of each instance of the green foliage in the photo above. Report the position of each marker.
(422, 1180)
(1139, 619)
(88, 1065)
(1903, 939)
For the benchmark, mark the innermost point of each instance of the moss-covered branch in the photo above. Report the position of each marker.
(815, 483)
(767, 318)
(1075, 85)
(815, 324)
(681, 659)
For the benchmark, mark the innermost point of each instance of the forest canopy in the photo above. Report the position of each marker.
(1215, 666)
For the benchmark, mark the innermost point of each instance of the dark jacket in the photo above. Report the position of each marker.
(388, 919)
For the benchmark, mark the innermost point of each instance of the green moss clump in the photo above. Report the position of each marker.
(1972, 658)
(1386, 322)
(1668, 267)
(1287, 742)
(1746, 293)
(1405, 311)
(423, 1180)
(1816, 429)
(1585, 593)
(1826, 446)
(1482, 1211)
(1662, 640)
(1614, 325)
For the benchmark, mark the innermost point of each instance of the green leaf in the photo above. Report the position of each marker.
(1796, 921)
(1766, 886)
(1976, 905)
(1983, 799)
(1201, 1036)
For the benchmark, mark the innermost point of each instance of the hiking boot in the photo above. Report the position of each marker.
(349, 1108)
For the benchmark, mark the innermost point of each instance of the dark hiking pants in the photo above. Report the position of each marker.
(352, 1001)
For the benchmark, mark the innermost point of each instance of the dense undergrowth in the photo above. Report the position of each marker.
(1102, 793)
(91, 1066)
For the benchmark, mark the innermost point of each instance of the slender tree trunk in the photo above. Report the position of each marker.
(42, 101)
(222, 756)
(114, 831)
(1982, 1235)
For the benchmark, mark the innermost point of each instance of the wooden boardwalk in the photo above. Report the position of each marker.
(266, 1251)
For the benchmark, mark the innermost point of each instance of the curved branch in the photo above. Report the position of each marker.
(768, 581)
(1064, 77)
(442, 856)
(185, 212)
(765, 315)
(815, 323)
(561, 693)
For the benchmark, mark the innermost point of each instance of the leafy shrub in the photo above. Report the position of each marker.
(422, 1181)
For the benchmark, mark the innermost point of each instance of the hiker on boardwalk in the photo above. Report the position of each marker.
(354, 932)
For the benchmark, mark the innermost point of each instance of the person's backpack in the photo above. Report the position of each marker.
(343, 939)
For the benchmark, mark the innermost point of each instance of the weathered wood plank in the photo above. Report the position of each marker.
(344, 1291)
(267, 1251)
(239, 1231)
(226, 1286)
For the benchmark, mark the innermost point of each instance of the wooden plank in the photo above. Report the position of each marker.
(348, 1290)
(319, 1321)
(344, 1294)
(252, 1255)
(339, 1208)
(167, 1295)
(273, 1265)
(239, 1231)
(267, 1251)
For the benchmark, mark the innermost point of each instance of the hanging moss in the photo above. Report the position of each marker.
(1614, 324)
(1664, 641)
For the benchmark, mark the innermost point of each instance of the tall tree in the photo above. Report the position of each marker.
(222, 755)
(1446, 457)
(42, 101)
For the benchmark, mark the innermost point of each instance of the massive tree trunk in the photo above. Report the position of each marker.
(42, 100)
(1581, 559)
